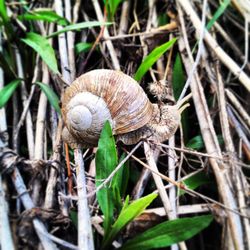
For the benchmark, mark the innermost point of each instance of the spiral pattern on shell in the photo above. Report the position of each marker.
(101, 95)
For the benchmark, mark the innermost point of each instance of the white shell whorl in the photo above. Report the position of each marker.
(86, 115)
(80, 117)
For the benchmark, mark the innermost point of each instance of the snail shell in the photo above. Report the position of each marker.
(102, 95)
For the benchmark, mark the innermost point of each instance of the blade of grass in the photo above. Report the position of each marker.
(44, 15)
(218, 13)
(5, 20)
(111, 7)
(179, 79)
(51, 95)
(78, 27)
(152, 58)
(169, 233)
(3, 12)
(128, 214)
(197, 142)
(41, 45)
(195, 181)
(215, 17)
(7, 91)
(83, 47)
(106, 161)
(7, 65)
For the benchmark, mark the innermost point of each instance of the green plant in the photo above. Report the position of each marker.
(151, 58)
(111, 7)
(117, 214)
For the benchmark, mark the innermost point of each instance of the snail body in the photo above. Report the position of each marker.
(101, 95)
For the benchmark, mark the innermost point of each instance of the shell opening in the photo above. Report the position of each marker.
(80, 117)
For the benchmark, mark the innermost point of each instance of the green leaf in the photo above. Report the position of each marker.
(178, 77)
(5, 20)
(163, 19)
(218, 13)
(119, 184)
(7, 64)
(83, 47)
(106, 161)
(3, 12)
(178, 84)
(44, 15)
(196, 143)
(78, 27)
(168, 233)
(116, 197)
(74, 217)
(125, 204)
(152, 58)
(124, 176)
(195, 181)
(128, 214)
(41, 45)
(7, 91)
(111, 7)
(51, 95)
(120, 179)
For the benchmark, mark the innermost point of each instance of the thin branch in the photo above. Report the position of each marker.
(158, 181)
(109, 44)
(29, 123)
(70, 41)
(189, 191)
(10, 161)
(56, 157)
(199, 53)
(209, 136)
(85, 236)
(238, 106)
(63, 51)
(6, 241)
(181, 210)
(222, 55)
(238, 128)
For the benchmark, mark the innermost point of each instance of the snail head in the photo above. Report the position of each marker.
(167, 119)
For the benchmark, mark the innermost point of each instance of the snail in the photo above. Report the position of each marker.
(101, 95)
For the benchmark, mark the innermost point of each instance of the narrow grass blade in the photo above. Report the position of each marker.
(197, 142)
(3, 12)
(111, 7)
(83, 47)
(41, 45)
(44, 15)
(179, 79)
(51, 95)
(128, 214)
(106, 161)
(218, 13)
(78, 27)
(195, 181)
(152, 58)
(168, 233)
(7, 91)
